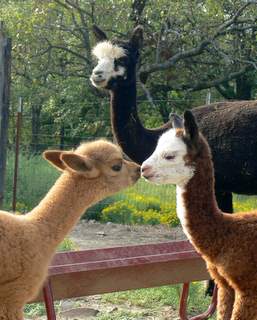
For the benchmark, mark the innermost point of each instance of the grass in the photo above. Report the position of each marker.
(156, 298)
(35, 178)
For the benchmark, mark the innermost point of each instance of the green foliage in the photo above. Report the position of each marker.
(141, 209)
(52, 61)
(35, 178)
(34, 309)
(144, 203)
(95, 212)
(67, 245)
(244, 203)
(121, 315)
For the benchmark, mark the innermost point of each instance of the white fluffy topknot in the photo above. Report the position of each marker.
(106, 49)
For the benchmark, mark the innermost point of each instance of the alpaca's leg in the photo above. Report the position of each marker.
(226, 298)
(245, 307)
(226, 295)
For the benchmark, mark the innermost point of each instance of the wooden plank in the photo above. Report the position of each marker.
(122, 252)
(73, 276)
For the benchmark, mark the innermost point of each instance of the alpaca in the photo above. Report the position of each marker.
(93, 171)
(226, 242)
(229, 127)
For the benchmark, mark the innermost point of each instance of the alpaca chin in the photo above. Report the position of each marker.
(176, 179)
(98, 84)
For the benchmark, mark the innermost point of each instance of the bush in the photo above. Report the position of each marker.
(140, 209)
(95, 212)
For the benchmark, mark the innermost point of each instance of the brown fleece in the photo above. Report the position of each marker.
(228, 243)
(27, 243)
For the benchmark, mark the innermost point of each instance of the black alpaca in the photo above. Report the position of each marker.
(229, 127)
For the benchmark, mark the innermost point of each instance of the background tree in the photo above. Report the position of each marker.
(189, 47)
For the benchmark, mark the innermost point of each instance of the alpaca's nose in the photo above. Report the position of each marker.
(98, 72)
(145, 170)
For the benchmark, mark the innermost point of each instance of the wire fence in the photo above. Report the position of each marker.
(29, 177)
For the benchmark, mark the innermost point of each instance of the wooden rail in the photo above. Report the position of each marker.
(89, 272)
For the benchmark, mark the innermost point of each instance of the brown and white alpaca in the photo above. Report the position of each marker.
(27, 243)
(226, 242)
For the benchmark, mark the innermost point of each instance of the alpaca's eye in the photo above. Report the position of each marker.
(117, 167)
(169, 157)
(121, 62)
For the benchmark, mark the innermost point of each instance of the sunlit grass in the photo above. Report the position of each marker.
(156, 298)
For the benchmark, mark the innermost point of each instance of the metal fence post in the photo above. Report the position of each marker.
(5, 79)
(17, 150)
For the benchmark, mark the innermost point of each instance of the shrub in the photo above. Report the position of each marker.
(140, 209)
(67, 245)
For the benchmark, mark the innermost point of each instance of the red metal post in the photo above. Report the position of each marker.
(183, 305)
(183, 302)
(17, 150)
(49, 301)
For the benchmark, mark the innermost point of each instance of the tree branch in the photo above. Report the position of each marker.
(173, 60)
(213, 83)
(69, 51)
(199, 49)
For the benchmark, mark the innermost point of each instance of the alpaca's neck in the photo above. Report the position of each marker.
(62, 207)
(126, 125)
(198, 210)
(135, 140)
(124, 107)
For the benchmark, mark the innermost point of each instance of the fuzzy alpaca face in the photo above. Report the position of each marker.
(98, 160)
(116, 60)
(168, 163)
(111, 64)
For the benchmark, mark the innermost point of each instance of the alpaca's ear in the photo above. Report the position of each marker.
(177, 121)
(99, 34)
(54, 157)
(190, 126)
(79, 164)
(137, 37)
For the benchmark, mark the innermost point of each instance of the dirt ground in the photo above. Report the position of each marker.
(91, 235)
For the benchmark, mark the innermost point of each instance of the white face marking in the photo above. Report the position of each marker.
(167, 163)
(106, 52)
(181, 212)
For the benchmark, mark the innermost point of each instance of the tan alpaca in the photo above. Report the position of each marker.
(27, 243)
(228, 243)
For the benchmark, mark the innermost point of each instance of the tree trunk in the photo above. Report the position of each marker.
(243, 88)
(241, 91)
(5, 78)
(62, 132)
